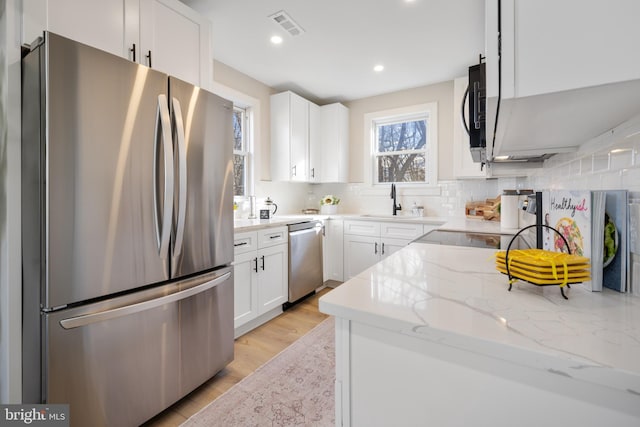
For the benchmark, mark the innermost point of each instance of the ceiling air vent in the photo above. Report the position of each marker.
(289, 25)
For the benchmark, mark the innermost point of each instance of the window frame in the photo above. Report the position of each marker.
(399, 115)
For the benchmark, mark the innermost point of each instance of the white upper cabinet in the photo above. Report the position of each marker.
(175, 39)
(308, 143)
(569, 71)
(99, 24)
(163, 34)
(569, 44)
(316, 170)
(334, 141)
(289, 137)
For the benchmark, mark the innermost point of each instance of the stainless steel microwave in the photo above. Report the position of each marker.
(476, 128)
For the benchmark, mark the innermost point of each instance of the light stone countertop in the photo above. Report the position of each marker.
(433, 295)
(242, 225)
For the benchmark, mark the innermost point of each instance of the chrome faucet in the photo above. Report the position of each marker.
(396, 206)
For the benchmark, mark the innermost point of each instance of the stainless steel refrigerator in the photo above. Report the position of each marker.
(127, 234)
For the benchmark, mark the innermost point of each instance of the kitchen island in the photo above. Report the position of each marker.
(431, 336)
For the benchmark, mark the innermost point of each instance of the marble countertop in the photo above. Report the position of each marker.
(430, 294)
(241, 225)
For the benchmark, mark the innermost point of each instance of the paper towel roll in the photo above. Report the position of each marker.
(509, 211)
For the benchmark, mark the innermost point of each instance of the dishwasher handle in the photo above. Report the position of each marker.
(313, 230)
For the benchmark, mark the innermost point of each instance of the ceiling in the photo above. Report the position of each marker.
(420, 42)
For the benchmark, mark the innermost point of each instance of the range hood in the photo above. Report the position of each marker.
(532, 129)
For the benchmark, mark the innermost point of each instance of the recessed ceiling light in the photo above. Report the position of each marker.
(276, 39)
(378, 68)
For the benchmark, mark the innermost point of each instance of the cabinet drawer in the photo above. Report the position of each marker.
(400, 230)
(362, 228)
(245, 242)
(272, 236)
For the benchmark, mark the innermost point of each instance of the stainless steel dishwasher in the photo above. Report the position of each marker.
(305, 259)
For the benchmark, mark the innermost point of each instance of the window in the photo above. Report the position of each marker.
(403, 145)
(240, 152)
(401, 150)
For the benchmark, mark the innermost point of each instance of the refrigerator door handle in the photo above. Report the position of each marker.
(87, 319)
(163, 219)
(178, 129)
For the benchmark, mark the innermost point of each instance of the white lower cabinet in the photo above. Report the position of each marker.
(245, 283)
(360, 253)
(261, 276)
(273, 272)
(367, 242)
(332, 250)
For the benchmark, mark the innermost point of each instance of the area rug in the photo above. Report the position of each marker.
(295, 388)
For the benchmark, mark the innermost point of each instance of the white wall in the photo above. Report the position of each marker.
(10, 277)
(441, 94)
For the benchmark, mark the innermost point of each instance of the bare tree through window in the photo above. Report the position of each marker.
(401, 151)
(239, 152)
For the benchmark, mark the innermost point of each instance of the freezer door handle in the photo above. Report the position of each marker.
(178, 132)
(163, 215)
(87, 319)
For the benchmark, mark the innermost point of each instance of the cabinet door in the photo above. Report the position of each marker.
(335, 142)
(332, 248)
(175, 39)
(97, 23)
(273, 275)
(316, 164)
(299, 147)
(361, 252)
(245, 302)
(280, 136)
(551, 55)
(390, 246)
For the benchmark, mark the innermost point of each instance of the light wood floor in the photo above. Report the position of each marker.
(251, 351)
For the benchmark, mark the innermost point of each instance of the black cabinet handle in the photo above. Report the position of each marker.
(383, 248)
(149, 59)
(240, 244)
(256, 267)
(133, 51)
(262, 258)
(375, 251)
